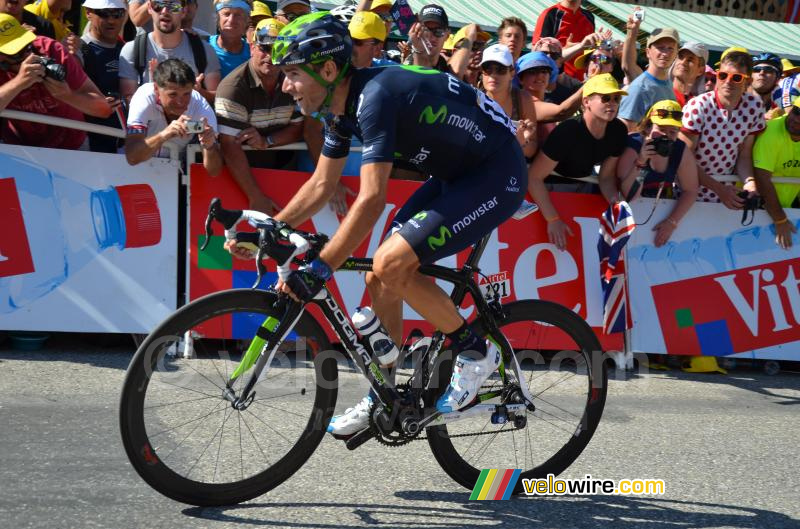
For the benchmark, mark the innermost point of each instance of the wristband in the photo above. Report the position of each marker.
(784, 220)
(749, 179)
(552, 219)
(320, 269)
(672, 221)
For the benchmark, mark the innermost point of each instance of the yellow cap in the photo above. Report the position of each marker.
(450, 43)
(267, 31)
(731, 50)
(789, 68)
(260, 9)
(703, 364)
(603, 83)
(380, 3)
(13, 37)
(367, 25)
(462, 34)
(668, 120)
(580, 62)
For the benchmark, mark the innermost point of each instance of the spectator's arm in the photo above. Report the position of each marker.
(138, 13)
(30, 73)
(460, 59)
(139, 148)
(627, 171)
(629, 64)
(315, 193)
(744, 159)
(291, 133)
(550, 112)
(589, 41)
(127, 87)
(526, 132)
(557, 230)
(690, 139)
(688, 180)
(364, 5)
(767, 191)
(239, 168)
(313, 136)
(607, 179)
(87, 98)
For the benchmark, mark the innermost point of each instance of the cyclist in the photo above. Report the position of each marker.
(422, 117)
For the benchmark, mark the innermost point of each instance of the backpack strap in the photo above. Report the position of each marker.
(140, 54)
(199, 52)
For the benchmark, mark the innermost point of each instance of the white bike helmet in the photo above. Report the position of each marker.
(344, 12)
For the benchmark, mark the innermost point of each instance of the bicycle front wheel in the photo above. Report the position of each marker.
(186, 440)
(561, 365)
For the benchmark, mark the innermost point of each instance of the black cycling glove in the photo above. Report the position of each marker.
(307, 281)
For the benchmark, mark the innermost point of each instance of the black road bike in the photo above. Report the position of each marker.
(233, 418)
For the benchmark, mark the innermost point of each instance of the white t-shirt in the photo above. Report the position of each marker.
(146, 116)
(127, 59)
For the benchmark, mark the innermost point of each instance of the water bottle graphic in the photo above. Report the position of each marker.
(369, 326)
(67, 225)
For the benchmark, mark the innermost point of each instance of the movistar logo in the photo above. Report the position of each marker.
(431, 118)
(421, 215)
(420, 69)
(438, 242)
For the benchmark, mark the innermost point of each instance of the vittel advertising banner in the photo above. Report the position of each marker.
(717, 288)
(518, 259)
(88, 243)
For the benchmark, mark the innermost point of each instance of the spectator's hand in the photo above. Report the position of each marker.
(264, 205)
(207, 138)
(633, 23)
(774, 113)
(151, 67)
(58, 89)
(415, 34)
(338, 202)
(728, 196)
(647, 153)
(557, 232)
(471, 32)
(571, 42)
(783, 234)
(30, 72)
(605, 34)
(252, 138)
(240, 252)
(176, 129)
(405, 50)
(29, 27)
(198, 82)
(72, 43)
(663, 231)
(589, 41)
(526, 131)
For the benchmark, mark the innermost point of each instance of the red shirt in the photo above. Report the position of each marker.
(559, 22)
(38, 100)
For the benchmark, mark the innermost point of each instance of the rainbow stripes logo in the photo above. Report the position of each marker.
(495, 484)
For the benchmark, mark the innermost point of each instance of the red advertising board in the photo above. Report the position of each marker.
(518, 255)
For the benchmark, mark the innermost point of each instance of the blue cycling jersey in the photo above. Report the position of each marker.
(429, 120)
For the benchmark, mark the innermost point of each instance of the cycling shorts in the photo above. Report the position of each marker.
(442, 218)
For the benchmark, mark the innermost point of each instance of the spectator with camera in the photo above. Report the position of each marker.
(654, 83)
(169, 110)
(775, 154)
(572, 150)
(100, 49)
(253, 110)
(654, 160)
(596, 60)
(38, 25)
(39, 76)
(167, 41)
(720, 128)
(229, 44)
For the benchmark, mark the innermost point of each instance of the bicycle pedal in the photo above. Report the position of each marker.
(354, 441)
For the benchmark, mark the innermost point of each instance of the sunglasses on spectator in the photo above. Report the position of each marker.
(495, 69)
(765, 68)
(18, 57)
(109, 13)
(436, 32)
(265, 48)
(663, 113)
(599, 58)
(608, 98)
(735, 78)
(172, 7)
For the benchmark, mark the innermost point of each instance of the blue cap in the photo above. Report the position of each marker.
(234, 4)
(536, 59)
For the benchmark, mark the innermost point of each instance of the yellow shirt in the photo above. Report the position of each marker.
(40, 7)
(774, 151)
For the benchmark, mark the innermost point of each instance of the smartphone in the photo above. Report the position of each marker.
(525, 209)
(194, 126)
(638, 14)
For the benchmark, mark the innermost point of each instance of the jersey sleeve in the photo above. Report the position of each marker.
(139, 110)
(336, 143)
(376, 113)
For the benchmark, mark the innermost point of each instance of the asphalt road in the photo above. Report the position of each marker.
(726, 446)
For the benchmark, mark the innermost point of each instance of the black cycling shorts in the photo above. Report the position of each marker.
(443, 218)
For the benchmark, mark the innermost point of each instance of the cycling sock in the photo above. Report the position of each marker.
(465, 339)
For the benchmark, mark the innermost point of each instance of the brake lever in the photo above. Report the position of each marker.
(228, 218)
(212, 207)
(260, 268)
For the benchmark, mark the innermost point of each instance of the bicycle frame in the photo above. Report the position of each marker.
(357, 348)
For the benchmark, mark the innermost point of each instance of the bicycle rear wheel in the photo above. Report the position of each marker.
(561, 364)
(186, 440)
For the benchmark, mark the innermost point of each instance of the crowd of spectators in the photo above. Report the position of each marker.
(660, 121)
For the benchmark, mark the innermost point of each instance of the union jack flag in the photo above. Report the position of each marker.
(616, 225)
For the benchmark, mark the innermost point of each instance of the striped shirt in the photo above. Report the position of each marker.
(242, 102)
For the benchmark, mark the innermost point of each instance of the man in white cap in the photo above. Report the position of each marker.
(688, 79)
(100, 49)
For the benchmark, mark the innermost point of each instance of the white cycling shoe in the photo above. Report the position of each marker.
(353, 420)
(468, 376)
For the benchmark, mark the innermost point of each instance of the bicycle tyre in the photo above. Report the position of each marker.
(144, 453)
(566, 321)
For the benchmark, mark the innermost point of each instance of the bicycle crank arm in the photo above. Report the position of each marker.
(478, 410)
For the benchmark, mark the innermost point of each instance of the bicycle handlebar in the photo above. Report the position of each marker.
(272, 238)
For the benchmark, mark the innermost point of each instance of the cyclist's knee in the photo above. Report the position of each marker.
(392, 269)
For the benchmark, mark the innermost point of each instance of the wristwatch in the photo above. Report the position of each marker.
(270, 141)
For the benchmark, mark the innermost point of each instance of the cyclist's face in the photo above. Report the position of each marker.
(305, 90)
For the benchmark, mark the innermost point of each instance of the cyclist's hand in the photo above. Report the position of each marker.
(305, 283)
(239, 251)
(557, 231)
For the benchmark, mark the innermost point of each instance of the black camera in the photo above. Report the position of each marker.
(662, 145)
(52, 69)
(751, 202)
